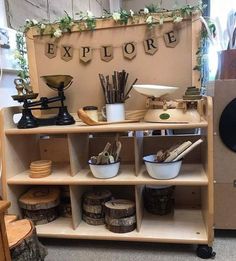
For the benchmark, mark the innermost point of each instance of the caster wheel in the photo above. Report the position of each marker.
(205, 252)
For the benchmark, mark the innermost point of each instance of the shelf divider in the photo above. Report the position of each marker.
(138, 151)
(139, 205)
(76, 193)
(78, 150)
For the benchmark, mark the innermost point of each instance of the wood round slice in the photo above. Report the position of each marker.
(93, 215)
(23, 241)
(128, 221)
(41, 163)
(97, 197)
(39, 174)
(65, 210)
(119, 208)
(40, 170)
(96, 209)
(93, 221)
(41, 216)
(41, 197)
(121, 229)
(65, 192)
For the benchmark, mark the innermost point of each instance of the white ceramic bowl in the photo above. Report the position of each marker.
(152, 90)
(104, 171)
(162, 170)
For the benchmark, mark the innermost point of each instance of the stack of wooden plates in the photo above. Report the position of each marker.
(40, 168)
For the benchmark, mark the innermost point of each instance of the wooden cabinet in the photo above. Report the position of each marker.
(71, 146)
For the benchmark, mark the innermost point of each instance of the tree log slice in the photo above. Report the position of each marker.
(65, 192)
(93, 221)
(41, 163)
(9, 218)
(93, 215)
(121, 229)
(41, 216)
(160, 191)
(159, 200)
(119, 208)
(96, 209)
(96, 197)
(65, 209)
(128, 221)
(23, 241)
(41, 197)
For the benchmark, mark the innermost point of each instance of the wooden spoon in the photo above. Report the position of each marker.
(87, 120)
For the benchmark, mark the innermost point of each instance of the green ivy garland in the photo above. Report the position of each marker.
(87, 21)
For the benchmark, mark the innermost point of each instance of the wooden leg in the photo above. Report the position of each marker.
(4, 248)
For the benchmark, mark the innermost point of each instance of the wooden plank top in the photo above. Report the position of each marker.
(80, 127)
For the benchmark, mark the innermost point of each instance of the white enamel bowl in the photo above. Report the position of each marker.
(104, 171)
(162, 170)
(154, 90)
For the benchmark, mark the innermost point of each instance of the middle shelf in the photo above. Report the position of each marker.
(190, 174)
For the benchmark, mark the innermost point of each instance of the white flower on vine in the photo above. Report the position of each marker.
(145, 10)
(17, 54)
(35, 22)
(131, 12)
(116, 16)
(43, 26)
(27, 21)
(149, 20)
(58, 33)
(90, 14)
(178, 19)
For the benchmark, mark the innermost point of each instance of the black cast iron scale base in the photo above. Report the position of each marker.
(58, 83)
(28, 120)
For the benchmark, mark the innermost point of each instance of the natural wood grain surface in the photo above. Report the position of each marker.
(185, 226)
(4, 247)
(82, 128)
(190, 174)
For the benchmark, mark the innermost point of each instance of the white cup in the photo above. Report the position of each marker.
(114, 112)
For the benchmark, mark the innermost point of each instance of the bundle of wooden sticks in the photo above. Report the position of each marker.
(176, 152)
(110, 154)
(115, 90)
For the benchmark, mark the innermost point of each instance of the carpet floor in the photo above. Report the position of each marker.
(85, 250)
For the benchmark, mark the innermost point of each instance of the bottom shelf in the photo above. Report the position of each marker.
(184, 226)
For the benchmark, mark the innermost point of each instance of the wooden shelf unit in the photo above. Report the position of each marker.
(70, 147)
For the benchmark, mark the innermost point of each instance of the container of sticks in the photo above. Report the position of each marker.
(107, 163)
(115, 94)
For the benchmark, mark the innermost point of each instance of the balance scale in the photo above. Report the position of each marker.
(163, 110)
(58, 83)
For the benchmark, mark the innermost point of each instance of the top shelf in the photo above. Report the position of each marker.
(80, 127)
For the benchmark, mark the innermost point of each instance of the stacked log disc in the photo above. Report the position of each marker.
(23, 241)
(40, 168)
(159, 199)
(40, 204)
(93, 206)
(65, 203)
(120, 215)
